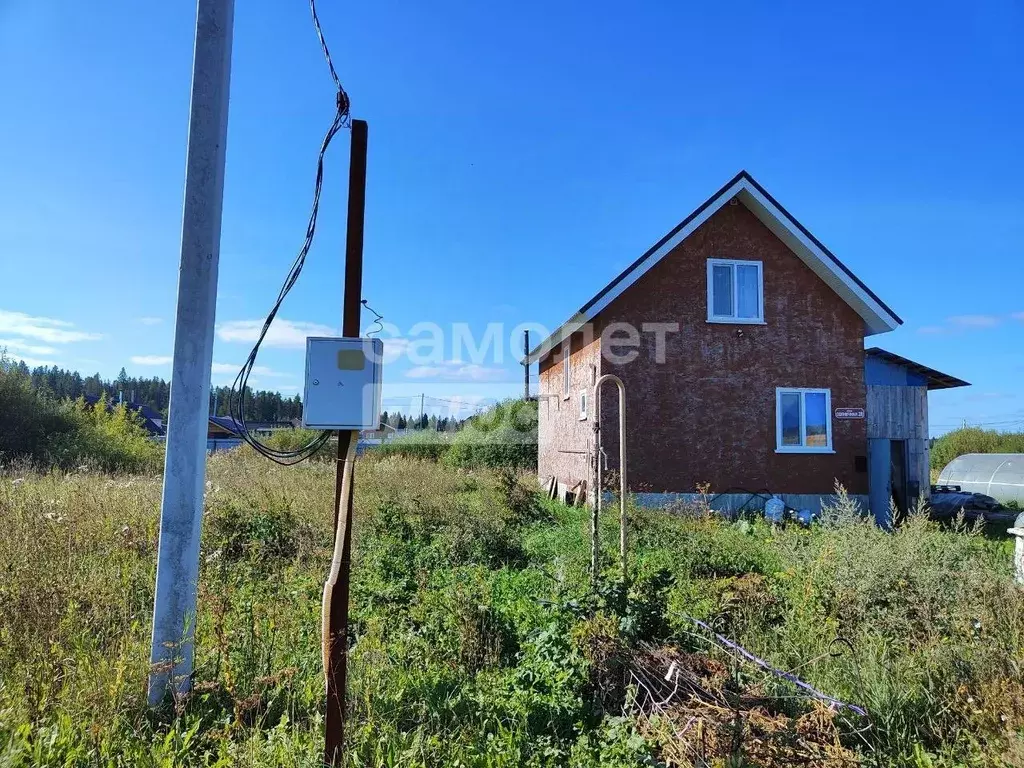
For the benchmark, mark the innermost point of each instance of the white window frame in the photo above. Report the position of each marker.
(803, 448)
(566, 370)
(712, 317)
(583, 404)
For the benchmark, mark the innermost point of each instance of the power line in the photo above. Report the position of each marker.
(239, 387)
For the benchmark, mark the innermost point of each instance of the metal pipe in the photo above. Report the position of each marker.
(595, 513)
(622, 460)
(526, 364)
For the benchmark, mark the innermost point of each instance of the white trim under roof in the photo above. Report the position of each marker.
(878, 318)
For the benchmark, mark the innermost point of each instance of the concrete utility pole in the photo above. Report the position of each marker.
(181, 509)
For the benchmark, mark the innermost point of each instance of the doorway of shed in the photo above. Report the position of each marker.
(898, 472)
(888, 479)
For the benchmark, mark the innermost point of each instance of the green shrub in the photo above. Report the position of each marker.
(504, 446)
(504, 435)
(973, 440)
(48, 432)
(108, 438)
(424, 444)
(263, 534)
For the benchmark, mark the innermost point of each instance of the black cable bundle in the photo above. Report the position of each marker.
(240, 385)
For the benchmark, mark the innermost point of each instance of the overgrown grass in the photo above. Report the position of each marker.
(973, 440)
(294, 439)
(477, 641)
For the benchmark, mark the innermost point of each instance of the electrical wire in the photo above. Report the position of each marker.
(239, 387)
(378, 320)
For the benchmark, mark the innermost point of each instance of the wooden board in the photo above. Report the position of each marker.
(897, 413)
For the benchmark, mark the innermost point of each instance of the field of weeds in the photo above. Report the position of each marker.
(478, 641)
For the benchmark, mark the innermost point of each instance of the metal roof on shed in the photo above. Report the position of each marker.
(934, 379)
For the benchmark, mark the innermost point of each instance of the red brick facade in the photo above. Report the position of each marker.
(707, 414)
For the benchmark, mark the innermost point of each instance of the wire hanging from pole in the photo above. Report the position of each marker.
(240, 387)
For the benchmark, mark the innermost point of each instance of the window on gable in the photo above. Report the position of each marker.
(566, 369)
(583, 405)
(735, 291)
(803, 420)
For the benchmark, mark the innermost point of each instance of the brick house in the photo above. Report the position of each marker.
(739, 337)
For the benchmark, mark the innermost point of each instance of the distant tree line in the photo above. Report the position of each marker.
(260, 405)
(399, 420)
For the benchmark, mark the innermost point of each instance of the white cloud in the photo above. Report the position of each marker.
(151, 320)
(987, 396)
(394, 349)
(960, 323)
(151, 359)
(14, 345)
(283, 333)
(456, 370)
(33, 362)
(43, 328)
(257, 370)
(974, 321)
(1018, 315)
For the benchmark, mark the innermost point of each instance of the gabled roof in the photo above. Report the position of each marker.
(933, 379)
(878, 318)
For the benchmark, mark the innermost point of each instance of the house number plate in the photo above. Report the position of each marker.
(849, 413)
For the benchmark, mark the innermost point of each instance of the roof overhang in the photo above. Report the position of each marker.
(935, 379)
(878, 318)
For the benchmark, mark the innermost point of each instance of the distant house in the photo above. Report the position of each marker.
(740, 340)
(223, 427)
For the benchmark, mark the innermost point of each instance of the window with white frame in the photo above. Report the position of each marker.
(803, 420)
(566, 369)
(735, 291)
(583, 405)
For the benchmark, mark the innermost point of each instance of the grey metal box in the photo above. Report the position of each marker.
(343, 383)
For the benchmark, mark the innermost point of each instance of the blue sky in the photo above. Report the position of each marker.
(520, 156)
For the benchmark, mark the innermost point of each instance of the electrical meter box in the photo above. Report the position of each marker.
(343, 382)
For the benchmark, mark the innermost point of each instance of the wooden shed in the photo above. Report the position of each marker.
(897, 426)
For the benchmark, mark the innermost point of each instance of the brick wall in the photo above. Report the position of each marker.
(707, 415)
(561, 432)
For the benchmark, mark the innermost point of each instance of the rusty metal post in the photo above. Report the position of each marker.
(337, 652)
